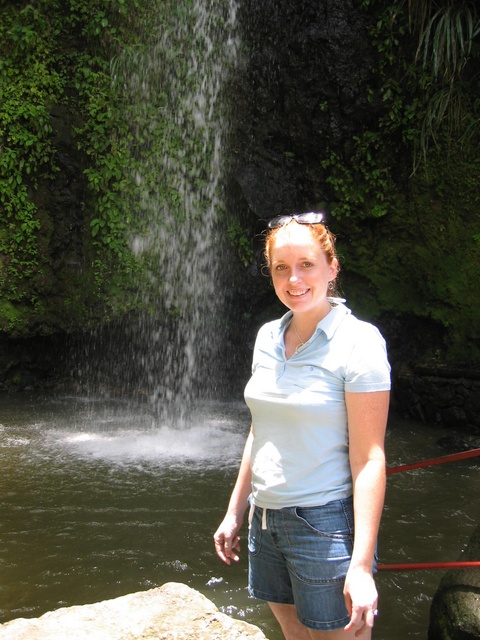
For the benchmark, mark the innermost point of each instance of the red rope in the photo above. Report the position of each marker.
(427, 463)
(472, 453)
(428, 565)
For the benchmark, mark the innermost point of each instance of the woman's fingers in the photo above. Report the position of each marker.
(361, 620)
(226, 546)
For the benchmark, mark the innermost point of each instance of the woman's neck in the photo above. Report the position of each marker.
(306, 323)
(301, 328)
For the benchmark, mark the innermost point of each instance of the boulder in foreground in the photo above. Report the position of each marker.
(173, 611)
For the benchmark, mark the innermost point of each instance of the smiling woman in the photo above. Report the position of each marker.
(313, 468)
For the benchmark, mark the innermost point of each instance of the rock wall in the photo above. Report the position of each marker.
(307, 85)
(170, 612)
(433, 396)
(300, 92)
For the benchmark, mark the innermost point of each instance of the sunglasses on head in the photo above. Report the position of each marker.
(311, 217)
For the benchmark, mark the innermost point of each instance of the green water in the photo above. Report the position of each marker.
(99, 500)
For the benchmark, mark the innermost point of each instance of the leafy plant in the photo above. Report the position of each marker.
(446, 32)
(240, 240)
(361, 188)
(58, 53)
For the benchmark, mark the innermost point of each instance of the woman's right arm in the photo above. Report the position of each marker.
(226, 537)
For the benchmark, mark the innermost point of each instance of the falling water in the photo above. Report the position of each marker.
(179, 117)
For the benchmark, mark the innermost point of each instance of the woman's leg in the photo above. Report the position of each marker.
(286, 616)
(293, 629)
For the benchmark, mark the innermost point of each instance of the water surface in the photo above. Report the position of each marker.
(99, 500)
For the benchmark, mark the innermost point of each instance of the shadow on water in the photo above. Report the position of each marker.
(99, 499)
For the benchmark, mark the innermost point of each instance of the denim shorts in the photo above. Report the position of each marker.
(300, 556)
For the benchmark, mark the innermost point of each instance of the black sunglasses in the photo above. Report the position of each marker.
(311, 217)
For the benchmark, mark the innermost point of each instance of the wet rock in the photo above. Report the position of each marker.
(455, 610)
(171, 612)
(301, 92)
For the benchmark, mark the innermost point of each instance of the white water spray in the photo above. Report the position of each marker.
(177, 87)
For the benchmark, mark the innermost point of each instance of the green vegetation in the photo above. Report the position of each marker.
(407, 200)
(80, 176)
(56, 96)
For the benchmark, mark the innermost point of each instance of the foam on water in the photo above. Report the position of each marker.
(119, 434)
(204, 444)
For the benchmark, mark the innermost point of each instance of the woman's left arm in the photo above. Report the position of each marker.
(367, 419)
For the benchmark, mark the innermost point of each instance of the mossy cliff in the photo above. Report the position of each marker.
(64, 260)
(360, 108)
(344, 109)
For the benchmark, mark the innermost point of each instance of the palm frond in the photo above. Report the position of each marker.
(446, 36)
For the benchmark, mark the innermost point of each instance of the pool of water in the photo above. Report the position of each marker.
(98, 499)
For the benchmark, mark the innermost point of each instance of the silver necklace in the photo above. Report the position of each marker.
(301, 341)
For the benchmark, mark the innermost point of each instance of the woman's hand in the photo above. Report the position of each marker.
(226, 540)
(361, 600)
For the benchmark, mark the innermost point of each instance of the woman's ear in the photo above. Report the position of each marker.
(334, 269)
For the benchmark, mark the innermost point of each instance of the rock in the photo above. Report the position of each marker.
(300, 93)
(171, 612)
(455, 610)
(431, 396)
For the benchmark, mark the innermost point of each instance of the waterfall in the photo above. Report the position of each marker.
(179, 121)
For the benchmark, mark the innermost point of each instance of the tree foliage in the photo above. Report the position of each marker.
(407, 200)
(56, 92)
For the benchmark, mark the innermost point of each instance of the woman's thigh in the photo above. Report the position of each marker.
(339, 634)
(293, 629)
(286, 616)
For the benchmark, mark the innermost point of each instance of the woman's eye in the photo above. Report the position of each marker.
(308, 264)
(280, 267)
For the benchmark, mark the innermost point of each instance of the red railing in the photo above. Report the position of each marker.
(472, 453)
(428, 463)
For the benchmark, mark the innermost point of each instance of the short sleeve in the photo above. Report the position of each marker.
(367, 367)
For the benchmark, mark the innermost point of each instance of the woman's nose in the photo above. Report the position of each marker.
(293, 276)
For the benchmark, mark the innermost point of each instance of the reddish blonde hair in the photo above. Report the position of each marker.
(319, 232)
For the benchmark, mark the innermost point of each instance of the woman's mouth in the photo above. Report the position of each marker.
(297, 293)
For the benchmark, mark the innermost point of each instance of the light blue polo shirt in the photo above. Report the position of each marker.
(299, 417)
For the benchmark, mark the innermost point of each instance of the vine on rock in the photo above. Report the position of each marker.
(55, 56)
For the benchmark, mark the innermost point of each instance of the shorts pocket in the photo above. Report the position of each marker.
(321, 543)
(333, 520)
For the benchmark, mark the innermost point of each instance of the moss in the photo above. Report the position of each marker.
(63, 197)
(422, 260)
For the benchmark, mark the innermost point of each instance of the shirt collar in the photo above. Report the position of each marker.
(329, 324)
(332, 320)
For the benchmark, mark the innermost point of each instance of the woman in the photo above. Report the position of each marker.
(314, 464)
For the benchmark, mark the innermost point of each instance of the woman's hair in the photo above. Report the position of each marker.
(319, 232)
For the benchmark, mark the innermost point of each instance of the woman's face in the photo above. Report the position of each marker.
(300, 270)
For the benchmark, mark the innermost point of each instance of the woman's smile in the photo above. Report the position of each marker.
(297, 293)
